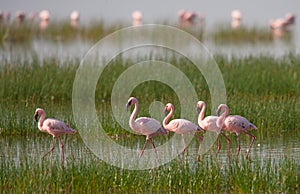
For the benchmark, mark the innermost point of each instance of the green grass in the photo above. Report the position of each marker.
(181, 177)
(225, 34)
(264, 89)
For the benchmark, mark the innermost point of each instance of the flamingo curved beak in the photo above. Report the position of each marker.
(219, 112)
(36, 117)
(198, 109)
(165, 112)
(128, 105)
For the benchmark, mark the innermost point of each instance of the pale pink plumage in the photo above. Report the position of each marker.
(209, 123)
(282, 23)
(180, 126)
(53, 127)
(235, 124)
(144, 125)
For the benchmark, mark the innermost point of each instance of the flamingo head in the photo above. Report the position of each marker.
(38, 112)
(131, 100)
(221, 108)
(168, 108)
(200, 104)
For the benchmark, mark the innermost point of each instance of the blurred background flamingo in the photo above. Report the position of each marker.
(209, 123)
(20, 17)
(53, 127)
(282, 23)
(144, 125)
(180, 126)
(236, 18)
(137, 18)
(74, 17)
(44, 16)
(189, 18)
(235, 124)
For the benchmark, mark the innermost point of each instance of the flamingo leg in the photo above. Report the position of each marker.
(184, 145)
(153, 146)
(252, 141)
(228, 142)
(142, 152)
(201, 140)
(52, 147)
(62, 150)
(239, 145)
(219, 146)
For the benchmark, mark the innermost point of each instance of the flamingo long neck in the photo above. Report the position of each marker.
(134, 114)
(41, 120)
(166, 119)
(222, 117)
(201, 114)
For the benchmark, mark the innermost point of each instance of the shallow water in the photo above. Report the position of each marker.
(254, 14)
(31, 149)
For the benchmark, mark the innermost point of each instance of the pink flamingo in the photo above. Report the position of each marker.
(180, 126)
(144, 125)
(187, 17)
(44, 16)
(74, 17)
(20, 16)
(282, 23)
(209, 123)
(53, 127)
(236, 124)
(137, 18)
(236, 16)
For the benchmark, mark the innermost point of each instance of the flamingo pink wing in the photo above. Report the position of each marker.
(147, 125)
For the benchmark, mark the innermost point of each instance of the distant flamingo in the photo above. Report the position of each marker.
(53, 127)
(137, 18)
(180, 126)
(20, 16)
(144, 125)
(74, 17)
(209, 123)
(187, 17)
(236, 124)
(44, 16)
(236, 16)
(282, 23)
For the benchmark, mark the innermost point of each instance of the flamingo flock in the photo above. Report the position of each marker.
(186, 18)
(217, 124)
(151, 127)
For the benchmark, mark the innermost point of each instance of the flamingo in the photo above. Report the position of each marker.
(187, 17)
(209, 123)
(20, 16)
(44, 16)
(235, 124)
(236, 16)
(74, 17)
(53, 127)
(144, 125)
(180, 126)
(137, 17)
(282, 23)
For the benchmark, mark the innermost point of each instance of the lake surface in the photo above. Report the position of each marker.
(255, 13)
(31, 149)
